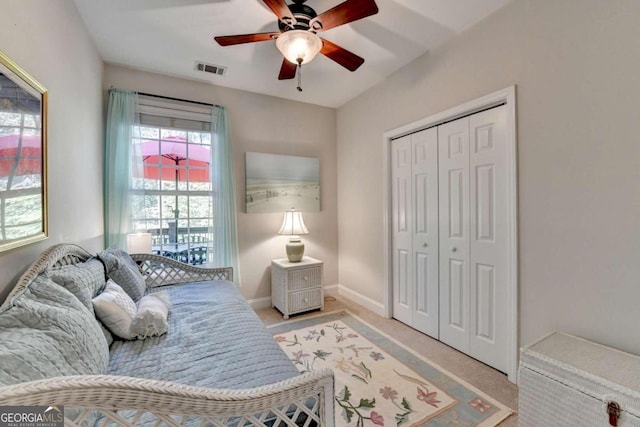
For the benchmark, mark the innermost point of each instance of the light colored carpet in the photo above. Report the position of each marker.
(481, 376)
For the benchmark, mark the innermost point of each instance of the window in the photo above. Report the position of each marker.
(171, 184)
(20, 173)
(191, 215)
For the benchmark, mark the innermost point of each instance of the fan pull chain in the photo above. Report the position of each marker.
(299, 76)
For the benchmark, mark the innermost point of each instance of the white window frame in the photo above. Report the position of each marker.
(183, 116)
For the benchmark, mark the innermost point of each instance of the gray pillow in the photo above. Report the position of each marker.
(46, 332)
(84, 280)
(123, 270)
(106, 333)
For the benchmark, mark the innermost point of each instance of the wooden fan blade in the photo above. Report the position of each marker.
(281, 10)
(287, 71)
(342, 56)
(245, 38)
(349, 11)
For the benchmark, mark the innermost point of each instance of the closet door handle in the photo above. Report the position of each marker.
(454, 249)
(424, 245)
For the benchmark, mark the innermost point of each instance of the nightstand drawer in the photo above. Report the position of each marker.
(304, 300)
(305, 278)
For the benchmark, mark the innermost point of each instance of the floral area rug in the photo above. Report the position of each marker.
(378, 381)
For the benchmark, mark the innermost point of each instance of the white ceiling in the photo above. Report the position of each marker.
(169, 36)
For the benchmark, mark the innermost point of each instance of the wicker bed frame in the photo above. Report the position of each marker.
(305, 400)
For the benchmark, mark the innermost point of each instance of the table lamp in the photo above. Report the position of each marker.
(139, 243)
(293, 225)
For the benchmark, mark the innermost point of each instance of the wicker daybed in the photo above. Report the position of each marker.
(209, 372)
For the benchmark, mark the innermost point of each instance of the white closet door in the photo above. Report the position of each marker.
(415, 230)
(402, 230)
(453, 151)
(451, 235)
(489, 233)
(425, 227)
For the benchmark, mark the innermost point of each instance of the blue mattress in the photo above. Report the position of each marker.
(214, 340)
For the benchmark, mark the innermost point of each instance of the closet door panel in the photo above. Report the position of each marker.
(488, 245)
(456, 286)
(453, 171)
(402, 222)
(425, 237)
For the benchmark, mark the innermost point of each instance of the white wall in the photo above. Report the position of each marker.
(264, 124)
(576, 64)
(49, 40)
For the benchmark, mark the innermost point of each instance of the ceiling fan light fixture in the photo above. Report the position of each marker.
(299, 46)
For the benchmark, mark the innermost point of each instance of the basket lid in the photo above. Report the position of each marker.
(592, 368)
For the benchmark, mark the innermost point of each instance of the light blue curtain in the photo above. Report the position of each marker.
(225, 232)
(121, 118)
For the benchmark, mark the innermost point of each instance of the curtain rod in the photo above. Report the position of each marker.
(178, 99)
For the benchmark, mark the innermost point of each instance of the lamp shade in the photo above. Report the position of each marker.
(293, 224)
(139, 243)
(298, 45)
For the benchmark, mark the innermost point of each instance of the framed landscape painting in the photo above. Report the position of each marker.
(276, 183)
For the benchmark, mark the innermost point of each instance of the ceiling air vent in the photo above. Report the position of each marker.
(210, 68)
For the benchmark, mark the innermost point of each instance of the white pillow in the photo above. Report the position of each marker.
(151, 318)
(115, 309)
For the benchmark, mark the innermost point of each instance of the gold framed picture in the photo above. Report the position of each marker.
(23, 157)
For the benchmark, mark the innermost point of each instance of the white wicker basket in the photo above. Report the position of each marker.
(568, 381)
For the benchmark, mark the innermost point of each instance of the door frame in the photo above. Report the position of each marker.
(506, 96)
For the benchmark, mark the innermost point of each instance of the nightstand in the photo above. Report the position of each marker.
(296, 286)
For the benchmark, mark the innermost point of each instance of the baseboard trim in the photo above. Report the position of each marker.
(364, 301)
(331, 290)
(259, 303)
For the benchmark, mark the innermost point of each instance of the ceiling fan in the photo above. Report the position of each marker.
(298, 40)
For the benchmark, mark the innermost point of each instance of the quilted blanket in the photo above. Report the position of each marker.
(214, 340)
(46, 332)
